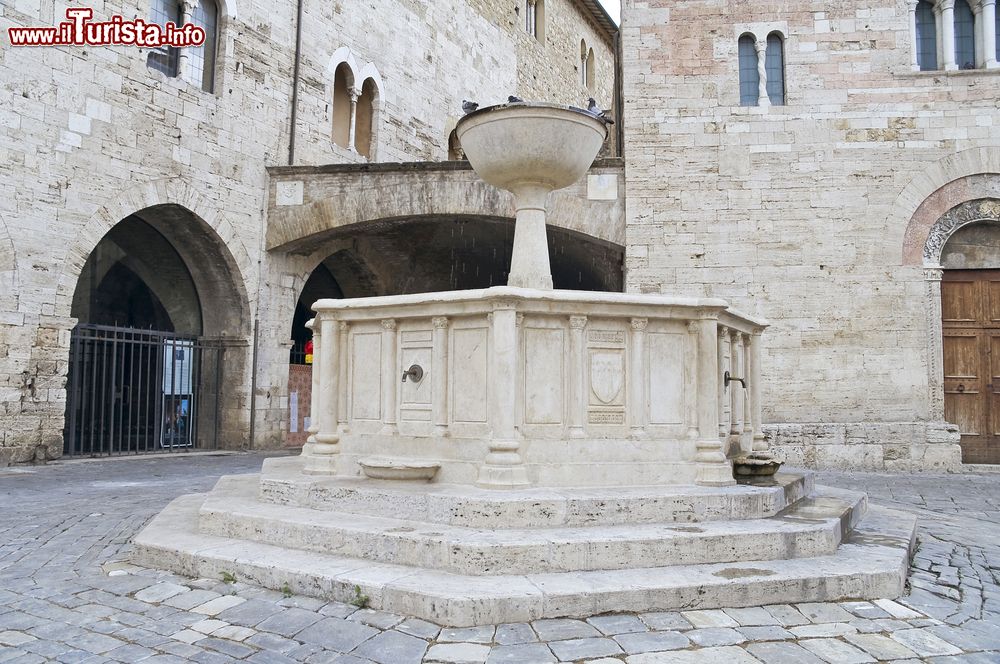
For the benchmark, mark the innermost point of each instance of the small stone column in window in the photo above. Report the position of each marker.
(762, 98)
(989, 21)
(911, 5)
(948, 34)
(354, 120)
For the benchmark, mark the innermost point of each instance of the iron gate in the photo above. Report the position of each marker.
(133, 391)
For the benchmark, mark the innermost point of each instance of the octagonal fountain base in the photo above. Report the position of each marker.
(460, 555)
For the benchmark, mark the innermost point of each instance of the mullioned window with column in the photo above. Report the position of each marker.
(953, 34)
(761, 63)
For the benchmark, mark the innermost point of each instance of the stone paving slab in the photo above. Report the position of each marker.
(67, 594)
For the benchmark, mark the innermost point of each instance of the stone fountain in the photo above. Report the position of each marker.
(520, 452)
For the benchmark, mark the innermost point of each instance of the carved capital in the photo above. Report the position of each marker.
(439, 322)
(577, 322)
(343, 326)
(389, 324)
(946, 5)
(518, 320)
(723, 330)
(639, 324)
(692, 327)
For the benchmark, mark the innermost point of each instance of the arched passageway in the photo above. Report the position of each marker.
(156, 304)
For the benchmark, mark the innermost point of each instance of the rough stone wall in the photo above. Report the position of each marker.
(90, 135)
(798, 212)
(431, 56)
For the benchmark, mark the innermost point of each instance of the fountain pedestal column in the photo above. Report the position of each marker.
(529, 263)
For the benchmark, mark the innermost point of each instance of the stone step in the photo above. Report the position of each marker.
(282, 482)
(812, 527)
(872, 564)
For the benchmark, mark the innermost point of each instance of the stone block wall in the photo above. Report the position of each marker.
(798, 212)
(90, 135)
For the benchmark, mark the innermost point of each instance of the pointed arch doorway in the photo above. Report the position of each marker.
(157, 308)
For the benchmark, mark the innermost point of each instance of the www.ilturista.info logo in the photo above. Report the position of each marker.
(79, 30)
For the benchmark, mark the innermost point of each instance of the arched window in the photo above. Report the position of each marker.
(749, 76)
(201, 59)
(365, 122)
(164, 58)
(583, 62)
(926, 36)
(343, 86)
(965, 36)
(774, 66)
(455, 152)
(534, 19)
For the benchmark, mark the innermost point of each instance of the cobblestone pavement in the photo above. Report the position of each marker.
(63, 596)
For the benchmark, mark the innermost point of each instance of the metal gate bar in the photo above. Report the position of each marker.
(133, 391)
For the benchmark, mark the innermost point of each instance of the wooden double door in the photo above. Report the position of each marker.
(970, 317)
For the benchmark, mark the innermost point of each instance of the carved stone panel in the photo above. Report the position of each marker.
(666, 356)
(469, 374)
(606, 376)
(366, 378)
(544, 375)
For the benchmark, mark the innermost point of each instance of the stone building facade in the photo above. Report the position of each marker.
(823, 204)
(94, 138)
(834, 168)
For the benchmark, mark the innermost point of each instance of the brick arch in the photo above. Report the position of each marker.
(211, 238)
(312, 224)
(8, 271)
(964, 176)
